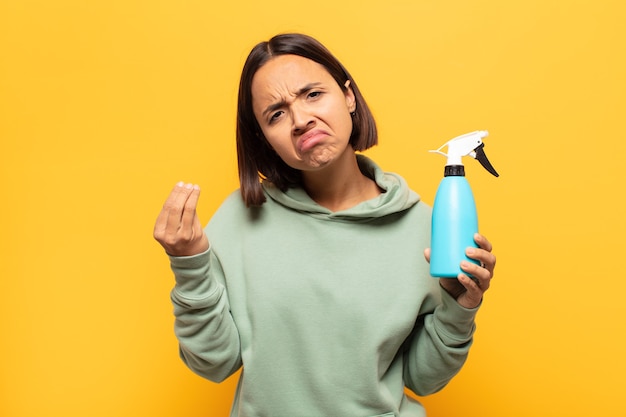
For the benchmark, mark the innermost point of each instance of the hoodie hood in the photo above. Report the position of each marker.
(396, 197)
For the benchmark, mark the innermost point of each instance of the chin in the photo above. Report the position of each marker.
(319, 163)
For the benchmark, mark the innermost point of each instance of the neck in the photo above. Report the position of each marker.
(341, 185)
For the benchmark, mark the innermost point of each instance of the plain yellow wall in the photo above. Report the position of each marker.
(104, 105)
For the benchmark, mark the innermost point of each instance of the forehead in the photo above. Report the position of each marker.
(288, 73)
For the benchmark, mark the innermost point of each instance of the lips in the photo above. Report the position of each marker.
(309, 139)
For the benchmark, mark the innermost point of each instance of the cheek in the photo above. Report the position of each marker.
(345, 124)
(278, 140)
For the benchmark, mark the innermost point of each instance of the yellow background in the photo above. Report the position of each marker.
(104, 105)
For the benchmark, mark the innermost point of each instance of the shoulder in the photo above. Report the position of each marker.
(233, 215)
(229, 213)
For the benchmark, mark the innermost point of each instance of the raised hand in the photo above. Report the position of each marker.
(177, 227)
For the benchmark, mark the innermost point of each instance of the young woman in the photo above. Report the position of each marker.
(314, 277)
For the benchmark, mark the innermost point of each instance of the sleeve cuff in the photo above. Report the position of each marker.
(190, 262)
(455, 320)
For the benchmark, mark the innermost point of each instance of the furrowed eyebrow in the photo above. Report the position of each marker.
(275, 106)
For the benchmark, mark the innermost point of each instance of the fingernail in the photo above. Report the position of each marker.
(189, 186)
(471, 251)
(180, 184)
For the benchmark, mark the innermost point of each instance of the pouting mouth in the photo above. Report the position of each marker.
(309, 138)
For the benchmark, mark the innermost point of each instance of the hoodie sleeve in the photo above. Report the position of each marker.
(207, 335)
(439, 346)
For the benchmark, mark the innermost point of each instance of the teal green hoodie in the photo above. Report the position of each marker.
(329, 313)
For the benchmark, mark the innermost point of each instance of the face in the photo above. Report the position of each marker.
(303, 112)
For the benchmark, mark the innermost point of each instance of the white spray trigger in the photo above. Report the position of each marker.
(464, 145)
(469, 144)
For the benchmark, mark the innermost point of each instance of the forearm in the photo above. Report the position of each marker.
(439, 346)
(207, 335)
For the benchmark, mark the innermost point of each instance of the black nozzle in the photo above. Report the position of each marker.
(482, 158)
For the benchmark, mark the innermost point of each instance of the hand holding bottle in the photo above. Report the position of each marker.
(177, 227)
(467, 291)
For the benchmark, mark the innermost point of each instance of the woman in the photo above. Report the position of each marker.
(312, 280)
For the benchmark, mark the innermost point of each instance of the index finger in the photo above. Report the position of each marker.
(161, 220)
(482, 242)
(171, 213)
(189, 210)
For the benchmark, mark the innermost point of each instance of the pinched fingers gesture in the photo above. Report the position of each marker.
(177, 227)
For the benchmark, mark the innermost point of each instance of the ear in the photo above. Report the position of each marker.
(350, 98)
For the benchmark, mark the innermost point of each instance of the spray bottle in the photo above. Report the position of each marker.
(454, 218)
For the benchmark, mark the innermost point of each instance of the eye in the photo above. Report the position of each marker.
(314, 94)
(275, 116)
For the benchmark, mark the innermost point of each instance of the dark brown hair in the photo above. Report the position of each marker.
(255, 157)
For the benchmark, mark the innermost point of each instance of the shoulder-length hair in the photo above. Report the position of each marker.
(256, 159)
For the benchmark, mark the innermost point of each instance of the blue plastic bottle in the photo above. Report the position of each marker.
(454, 218)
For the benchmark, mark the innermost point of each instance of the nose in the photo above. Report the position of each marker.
(301, 118)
